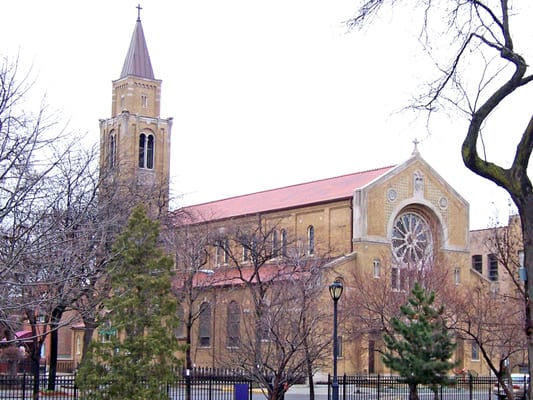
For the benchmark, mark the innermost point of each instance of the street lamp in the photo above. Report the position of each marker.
(335, 290)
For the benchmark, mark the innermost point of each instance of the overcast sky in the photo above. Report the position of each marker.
(263, 94)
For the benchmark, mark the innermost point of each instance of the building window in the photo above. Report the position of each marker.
(245, 253)
(477, 263)
(377, 268)
(395, 278)
(146, 151)
(493, 267)
(475, 351)
(179, 332)
(310, 240)
(264, 327)
(371, 356)
(249, 249)
(204, 329)
(78, 344)
(233, 327)
(401, 278)
(283, 238)
(221, 252)
(275, 243)
(112, 150)
(106, 332)
(457, 276)
(412, 241)
(144, 101)
(225, 250)
(522, 273)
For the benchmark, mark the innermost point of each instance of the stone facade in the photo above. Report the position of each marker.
(356, 229)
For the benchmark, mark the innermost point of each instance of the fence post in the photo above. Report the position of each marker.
(379, 386)
(329, 386)
(471, 386)
(74, 385)
(344, 386)
(24, 386)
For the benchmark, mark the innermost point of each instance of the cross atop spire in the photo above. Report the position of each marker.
(139, 8)
(415, 150)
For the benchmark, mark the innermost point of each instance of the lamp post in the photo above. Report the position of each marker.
(335, 290)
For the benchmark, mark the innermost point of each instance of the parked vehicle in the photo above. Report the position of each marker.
(519, 384)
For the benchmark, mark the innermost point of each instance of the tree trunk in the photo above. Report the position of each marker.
(35, 359)
(311, 386)
(309, 367)
(90, 325)
(526, 216)
(188, 360)
(413, 392)
(57, 314)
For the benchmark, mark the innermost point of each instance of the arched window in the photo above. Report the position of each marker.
(233, 325)
(146, 151)
(283, 238)
(275, 243)
(204, 329)
(221, 252)
(112, 150)
(377, 268)
(310, 240)
(412, 248)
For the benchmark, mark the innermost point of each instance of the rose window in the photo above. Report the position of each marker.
(412, 242)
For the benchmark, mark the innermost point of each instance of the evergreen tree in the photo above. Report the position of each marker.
(420, 347)
(140, 353)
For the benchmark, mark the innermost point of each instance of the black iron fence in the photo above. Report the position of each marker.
(206, 387)
(211, 384)
(385, 387)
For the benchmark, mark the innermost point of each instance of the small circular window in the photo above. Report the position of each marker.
(412, 242)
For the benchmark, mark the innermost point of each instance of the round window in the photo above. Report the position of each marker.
(412, 242)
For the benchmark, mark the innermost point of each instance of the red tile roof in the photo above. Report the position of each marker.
(246, 274)
(324, 190)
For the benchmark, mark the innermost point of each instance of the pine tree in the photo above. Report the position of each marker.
(140, 318)
(421, 347)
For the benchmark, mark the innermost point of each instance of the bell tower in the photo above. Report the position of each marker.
(135, 141)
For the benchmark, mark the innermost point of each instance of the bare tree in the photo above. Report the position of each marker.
(48, 219)
(484, 70)
(373, 298)
(280, 339)
(307, 284)
(492, 323)
(189, 245)
(29, 157)
(492, 314)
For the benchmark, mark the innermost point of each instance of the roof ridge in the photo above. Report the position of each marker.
(287, 186)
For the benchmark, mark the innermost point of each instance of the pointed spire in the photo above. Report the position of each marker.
(137, 61)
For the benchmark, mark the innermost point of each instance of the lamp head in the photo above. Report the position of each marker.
(335, 290)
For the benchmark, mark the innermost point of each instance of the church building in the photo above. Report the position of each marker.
(381, 228)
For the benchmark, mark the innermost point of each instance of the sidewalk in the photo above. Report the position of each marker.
(301, 389)
(304, 389)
